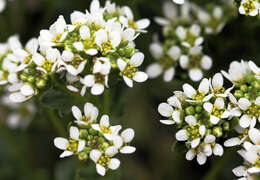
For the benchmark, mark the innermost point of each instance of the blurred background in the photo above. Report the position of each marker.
(29, 154)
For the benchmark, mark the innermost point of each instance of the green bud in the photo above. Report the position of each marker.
(250, 78)
(247, 95)
(256, 85)
(41, 83)
(198, 109)
(83, 133)
(208, 132)
(197, 116)
(244, 88)
(23, 77)
(190, 110)
(83, 156)
(93, 132)
(129, 51)
(217, 131)
(105, 145)
(239, 93)
(90, 137)
(101, 140)
(121, 52)
(226, 126)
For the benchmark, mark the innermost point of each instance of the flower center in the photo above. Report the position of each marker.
(57, 38)
(100, 78)
(219, 90)
(47, 65)
(217, 111)
(129, 71)
(166, 62)
(132, 24)
(193, 132)
(253, 111)
(104, 160)
(106, 46)
(249, 6)
(198, 96)
(72, 145)
(27, 59)
(105, 129)
(76, 62)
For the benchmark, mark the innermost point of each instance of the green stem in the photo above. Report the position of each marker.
(106, 101)
(219, 165)
(56, 122)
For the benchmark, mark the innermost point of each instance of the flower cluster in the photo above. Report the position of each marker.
(184, 30)
(211, 114)
(248, 7)
(83, 54)
(95, 140)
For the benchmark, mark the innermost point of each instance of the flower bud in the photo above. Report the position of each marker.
(244, 88)
(226, 126)
(129, 51)
(217, 131)
(41, 83)
(190, 110)
(83, 133)
(83, 156)
(239, 93)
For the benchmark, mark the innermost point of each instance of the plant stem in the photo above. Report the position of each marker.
(219, 165)
(56, 122)
(106, 101)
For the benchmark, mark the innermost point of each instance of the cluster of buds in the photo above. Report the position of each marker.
(211, 114)
(83, 54)
(95, 140)
(248, 7)
(184, 29)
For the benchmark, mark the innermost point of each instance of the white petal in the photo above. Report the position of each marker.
(254, 170)
(220, 103)
(128, 135)
(245, 121)
(121, 64)
(206, 62)
(18, 97)
(61, 143)
(100, 170)
(254, 135)
(195, 74)
(137, 59)
(209, 139)
(195, 143)
(76, 112)
(217, 80)
(201, 158)
(169, 74)
(181, 135)
(218, 150)
(129, 82)
(239, 171)
(66, 154)
(190, 155)
(214, 119)
(208, 107)
(27, 90)
(140, 77)
(165, 109)
(111, 151)
(81, 145)
(104, 121)
(74, 132)
(114, 164)
(191, 120)
(154, 70)
(189, 91)
(204, 86)
(95, 155)
(91, 52)
(232, 142)
(127, 150)
(202, 130)
(143, 23)
(97, 89)
(167, 122)
(244, 103)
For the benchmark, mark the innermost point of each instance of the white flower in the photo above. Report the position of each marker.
(212, 147)
(122, 142)
(200, 95)
(189, 134)
(21, 92)
(105, 128)
(216, 85)
(166, 64)
(249, 7)
(216, 111)
(105, 160)
(128, 21)
(56, 34)
(237, 71)
(250, 109)
(71, 146)
(167, 111)
(129, 70)
(254, 68)
(99, 79)
(90, 114)
(73, 64)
